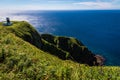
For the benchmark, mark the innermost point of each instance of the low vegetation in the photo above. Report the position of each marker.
(21, 60)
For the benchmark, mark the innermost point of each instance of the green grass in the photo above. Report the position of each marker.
(25, 31)
(19, 60)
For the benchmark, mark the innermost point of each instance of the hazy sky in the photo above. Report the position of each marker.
(58, 4)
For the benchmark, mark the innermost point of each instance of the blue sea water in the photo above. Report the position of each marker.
(99, 30)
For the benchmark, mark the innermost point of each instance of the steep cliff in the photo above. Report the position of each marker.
(66, 48)
(75, 49)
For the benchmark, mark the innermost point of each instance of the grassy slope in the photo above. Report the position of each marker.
(25, 31)
(20, 60)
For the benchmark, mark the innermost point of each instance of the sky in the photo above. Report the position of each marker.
(59, 4)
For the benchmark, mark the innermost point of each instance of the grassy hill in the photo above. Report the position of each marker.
(22, 59)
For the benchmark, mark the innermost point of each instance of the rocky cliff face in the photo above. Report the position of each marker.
(73, 49)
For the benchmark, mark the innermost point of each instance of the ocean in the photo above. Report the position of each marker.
(99, 30)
